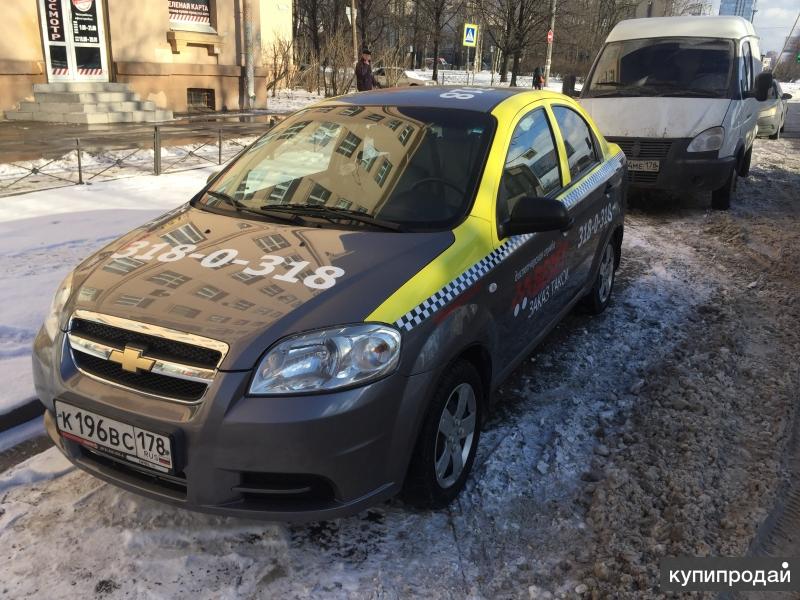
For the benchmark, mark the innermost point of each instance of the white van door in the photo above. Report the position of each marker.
(744, 112)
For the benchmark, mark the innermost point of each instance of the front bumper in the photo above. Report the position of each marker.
(767, 125)
(297, 458)
(678, 169)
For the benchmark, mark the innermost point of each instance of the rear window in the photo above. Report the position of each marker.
(417, 167)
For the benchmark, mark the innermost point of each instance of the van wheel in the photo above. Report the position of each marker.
(776, 135)
(599, 297)
(744, 168)
(446, 446)
(721, 198)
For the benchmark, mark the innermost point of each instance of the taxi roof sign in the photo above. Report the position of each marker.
(470, 35)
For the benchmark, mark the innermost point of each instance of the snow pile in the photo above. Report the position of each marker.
(287, 101)
(47, 465)
(43, 235)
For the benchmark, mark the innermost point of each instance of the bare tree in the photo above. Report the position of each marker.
(277, 57)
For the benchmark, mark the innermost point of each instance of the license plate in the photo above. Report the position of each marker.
(652, 166)
(114, 438)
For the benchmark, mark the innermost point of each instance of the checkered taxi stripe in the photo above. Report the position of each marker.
(452, 290)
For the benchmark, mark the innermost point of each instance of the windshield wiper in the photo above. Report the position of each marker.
(330, 212)
(690, 93)
(240, 206)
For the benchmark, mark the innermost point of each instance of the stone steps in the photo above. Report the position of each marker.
(87, 103)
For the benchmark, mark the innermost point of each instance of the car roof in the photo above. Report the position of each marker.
(481, 100)
(727, 27)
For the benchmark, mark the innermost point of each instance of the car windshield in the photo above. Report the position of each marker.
(415, 169)
(688, 67)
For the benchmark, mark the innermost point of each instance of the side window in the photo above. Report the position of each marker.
(531, 167)
(747, 68)
(578, 140)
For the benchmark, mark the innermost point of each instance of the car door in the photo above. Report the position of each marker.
(531, 277)
(592, 196)
(748, 115)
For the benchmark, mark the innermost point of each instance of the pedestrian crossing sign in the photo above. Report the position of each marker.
(470, 35)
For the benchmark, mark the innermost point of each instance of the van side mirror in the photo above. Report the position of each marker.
(533, 215)
(763, 85)
(786, 97)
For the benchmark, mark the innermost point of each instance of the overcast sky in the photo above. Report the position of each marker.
(773, 21)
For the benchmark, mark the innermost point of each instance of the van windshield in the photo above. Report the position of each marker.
(684, 67)
(407, 168)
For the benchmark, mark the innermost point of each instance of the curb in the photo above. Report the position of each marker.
(22, 414)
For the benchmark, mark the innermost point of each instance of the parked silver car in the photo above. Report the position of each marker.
(772, 112)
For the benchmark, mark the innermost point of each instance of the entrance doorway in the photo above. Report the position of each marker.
(74, 37)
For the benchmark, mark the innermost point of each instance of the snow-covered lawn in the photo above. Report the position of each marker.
(43, 235)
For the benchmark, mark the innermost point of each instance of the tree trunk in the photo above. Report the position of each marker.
(435, 76)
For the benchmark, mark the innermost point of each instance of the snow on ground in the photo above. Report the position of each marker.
(286, 101)
(43, 235)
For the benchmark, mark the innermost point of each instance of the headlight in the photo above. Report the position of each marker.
(328, 359)
(709, 140)
(770, 112)
(52, 323)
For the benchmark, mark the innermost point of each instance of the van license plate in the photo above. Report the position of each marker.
(113, 438)
(652, 166)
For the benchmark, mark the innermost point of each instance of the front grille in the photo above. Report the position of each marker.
(150, 383)
(160, 347)
(174, 486)
(643, 149)
(642, 177)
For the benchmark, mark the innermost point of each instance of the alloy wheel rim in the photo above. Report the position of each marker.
(456, 435)
(606, 273)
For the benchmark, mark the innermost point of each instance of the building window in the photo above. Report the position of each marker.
(374, 117)
(88, 294)
(218, 319)
(170, 279)
(349, 145)
(209, 292)
(288, 298)
(243, 305)
(199, 100)
(126, 300)
(184, 311)
(271, 290)
(383, 172)
(123, 266)
(343, 203)
(293, 130)
(352, 111)
(282, 192)
(194, 15)
(394, 124)
(273, 242)
(405, 134)
(319, 195)
(185, 234)
(325, 133)
(246, 278)
(368, 162)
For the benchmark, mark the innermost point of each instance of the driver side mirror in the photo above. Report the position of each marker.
(763, 85)
(786, 97)
(533, 215)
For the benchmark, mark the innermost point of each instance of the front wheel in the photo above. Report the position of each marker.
(721, 198)
(446, 446)
(598, 299)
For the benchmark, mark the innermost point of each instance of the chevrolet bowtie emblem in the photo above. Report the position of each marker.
(131, 360)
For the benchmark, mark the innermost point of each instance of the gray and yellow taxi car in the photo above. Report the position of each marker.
(322, 326)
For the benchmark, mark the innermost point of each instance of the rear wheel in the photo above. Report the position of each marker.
(721, 198)
(777, 134)
(446, 446)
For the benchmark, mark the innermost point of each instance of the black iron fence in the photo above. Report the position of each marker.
(62, 160)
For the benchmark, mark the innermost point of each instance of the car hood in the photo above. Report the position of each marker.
(647, 117)
(190, 291)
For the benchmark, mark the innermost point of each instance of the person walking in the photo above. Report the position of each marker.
(365, 80)
(538, 78)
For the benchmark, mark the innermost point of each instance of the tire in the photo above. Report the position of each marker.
(744, 168)
(428, 484)
(721, 198)
(776, 135)
(598, 299)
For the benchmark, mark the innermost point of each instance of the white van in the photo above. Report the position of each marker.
(680, 96)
